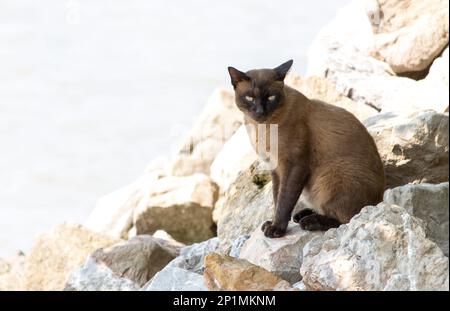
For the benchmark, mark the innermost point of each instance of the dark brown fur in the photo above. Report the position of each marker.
(324, 153)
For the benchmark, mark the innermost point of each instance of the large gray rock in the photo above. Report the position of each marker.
(175, 279)
(414, 147)
(218, 121)
(428, 202)
(137, 259)
(409, 34)
(181, 206)
(192, 257)
(97, 277)
(282, 256)
(382, 248)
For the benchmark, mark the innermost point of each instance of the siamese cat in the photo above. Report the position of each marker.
(324, 152)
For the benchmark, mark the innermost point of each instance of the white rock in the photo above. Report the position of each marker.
(428, 202)
(175, 279)
(382, 248)
(236, 155)
(96, 277)
(281, 256)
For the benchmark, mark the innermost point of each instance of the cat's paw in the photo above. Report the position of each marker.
(272, 231)
(302, 214)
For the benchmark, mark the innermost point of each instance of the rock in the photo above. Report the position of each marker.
(217, 123)
(410, 34)
(167, 240)
(237, 245)
(282, 256)
(246, 206)
(236, 155)
(175, 279)
(57, 253)
(339, 54)
(324, 90)
(12, 273)
(181, 206)
(382, 248)
(248, 203)
(414, 148)
(138, 259)
(94, 276)
(229, 273)
(300, 286)
(428, 202)
(113, 214)
(192, 257)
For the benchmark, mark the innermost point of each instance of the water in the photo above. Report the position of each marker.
(91, 91)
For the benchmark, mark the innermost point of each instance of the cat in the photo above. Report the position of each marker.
(324, 152)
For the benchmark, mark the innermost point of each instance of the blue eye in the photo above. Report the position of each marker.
(249, 98)
(271, 98)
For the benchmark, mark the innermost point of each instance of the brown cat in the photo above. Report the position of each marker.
(324, 152)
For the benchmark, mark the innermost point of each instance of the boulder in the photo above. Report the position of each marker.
(229, 273)
(94, 276)
(192, 257)
(414, 147)
(409, 34)
(282, 256)
(339, 54)
(322, 89)
(428, 202)
(138, 259)
(246, 206)
(382, 248)
(175, 279)
(217, 123)
(113, 214)
(181, 206)
(57, 253)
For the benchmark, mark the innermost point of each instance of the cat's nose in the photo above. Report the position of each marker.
(259, 111)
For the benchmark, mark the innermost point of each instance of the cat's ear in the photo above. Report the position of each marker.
(283, 69)
(237, 76)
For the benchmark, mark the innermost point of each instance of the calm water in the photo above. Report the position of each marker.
(91, 91)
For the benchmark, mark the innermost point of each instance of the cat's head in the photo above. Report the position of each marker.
(259, 92)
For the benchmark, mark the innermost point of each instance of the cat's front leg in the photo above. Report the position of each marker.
(291, 183)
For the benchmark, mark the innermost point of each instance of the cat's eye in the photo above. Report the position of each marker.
(271, 98)
(249, 98)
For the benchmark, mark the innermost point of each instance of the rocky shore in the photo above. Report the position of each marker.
(193, 222)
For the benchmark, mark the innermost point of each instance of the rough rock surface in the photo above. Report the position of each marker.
(282, 256)
(410, 41)
(323, 89)
(218, 121)
(428, 202)
(246, 206)
(175, 279)
(56, 254)
(138, 259)
(382, 248)
(94, 276)
(181, 206)
(12, 273)
(414, 148)
(229, 273)
(192, 257)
